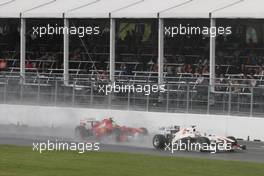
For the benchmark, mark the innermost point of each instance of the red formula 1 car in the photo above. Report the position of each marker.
(91, 128)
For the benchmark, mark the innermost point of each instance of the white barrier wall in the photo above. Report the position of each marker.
(240, 127)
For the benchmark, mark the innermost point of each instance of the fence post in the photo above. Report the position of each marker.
(91, 94)
(38, 96)
(238, 101)
(208, 99)
(73, 93)
(252, 101)
(109, 100)
(128, 99)
(147, 103)
(188, 97)
(168, 95)
(21, 88)
(55, 92)
(230, 100)
(5, 89)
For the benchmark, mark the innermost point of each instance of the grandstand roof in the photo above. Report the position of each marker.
(13, 8)
(100, 9)
(147, 8)
(56, 9)
(243, 9)
(131, 8)
(196, 9)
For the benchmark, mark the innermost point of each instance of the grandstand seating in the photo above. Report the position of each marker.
(184, 64)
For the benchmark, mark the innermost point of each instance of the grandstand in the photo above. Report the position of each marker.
(202, 73)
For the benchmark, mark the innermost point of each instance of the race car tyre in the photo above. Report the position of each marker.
(185, 142)
(144, 131)
(232, 143)
(79, 132)
(159, 141)
(204, 144)
(117, 134)
(233, 139)
(244, 147)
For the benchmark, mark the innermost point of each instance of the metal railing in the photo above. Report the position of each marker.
(176, 97)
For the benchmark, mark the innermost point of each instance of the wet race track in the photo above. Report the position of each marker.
(254, 152)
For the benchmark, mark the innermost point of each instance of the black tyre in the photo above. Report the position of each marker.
(80, 132)
(117, 134)
(232, 143)
(204, 144)
(144, 131)
(184, 142)
(187, 143)
(159, 141)
(233, 139)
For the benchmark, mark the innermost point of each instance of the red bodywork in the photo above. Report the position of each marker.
(108, 127)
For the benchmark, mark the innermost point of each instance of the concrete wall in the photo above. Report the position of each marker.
(69, 117)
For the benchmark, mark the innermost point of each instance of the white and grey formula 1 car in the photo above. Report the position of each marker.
(191, 139)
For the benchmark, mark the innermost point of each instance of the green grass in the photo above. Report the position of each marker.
(22, 161)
